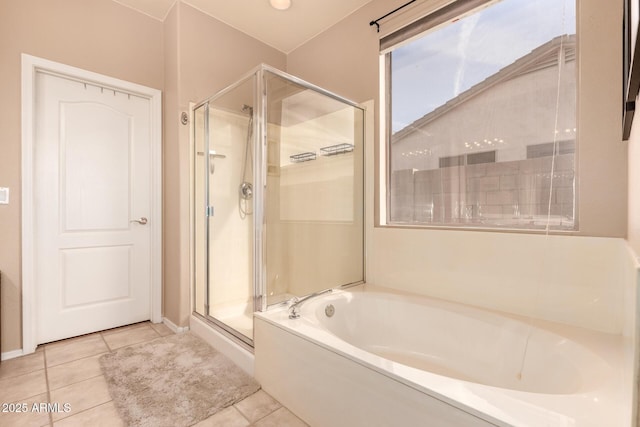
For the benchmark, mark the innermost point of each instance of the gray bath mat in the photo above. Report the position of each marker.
(173, 381)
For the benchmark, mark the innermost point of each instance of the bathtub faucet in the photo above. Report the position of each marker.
(294, 309)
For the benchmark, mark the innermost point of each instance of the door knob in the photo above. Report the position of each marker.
(141, 220)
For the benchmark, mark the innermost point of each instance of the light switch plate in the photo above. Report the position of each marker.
(4, 196)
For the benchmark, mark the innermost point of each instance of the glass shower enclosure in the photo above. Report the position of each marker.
(278, 197)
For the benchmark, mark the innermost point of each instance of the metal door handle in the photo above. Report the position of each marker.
(141, 220)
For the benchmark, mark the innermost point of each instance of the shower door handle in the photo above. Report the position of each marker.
(141, 220)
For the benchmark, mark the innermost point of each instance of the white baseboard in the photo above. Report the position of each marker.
(12, 354)
(175, 328)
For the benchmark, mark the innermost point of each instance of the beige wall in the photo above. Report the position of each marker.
(634, 187)
(97, 35)
(344, 59)
(171, 260)
(189, 56)
(210, 55)
(214, 55)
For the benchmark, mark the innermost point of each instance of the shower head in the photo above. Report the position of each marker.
(247, 109)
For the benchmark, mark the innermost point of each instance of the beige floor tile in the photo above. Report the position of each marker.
(118, 339)
(33, 417)
(104, 415)
(67, 341)
(23, 386)
(281, 418)
(75, 378)
(126, 327)
(73, 372)
(162, 329)
(74, 349)
(22, 365)
(257, 406)
(81, 396)
(228, 417)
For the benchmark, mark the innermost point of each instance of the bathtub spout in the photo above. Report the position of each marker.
(294, 309)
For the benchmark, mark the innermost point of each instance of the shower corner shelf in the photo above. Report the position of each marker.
(332, 150)
(303, 157)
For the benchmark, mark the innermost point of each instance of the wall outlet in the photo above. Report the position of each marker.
(4, 196)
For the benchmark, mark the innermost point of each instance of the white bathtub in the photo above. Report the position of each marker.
(389, 359)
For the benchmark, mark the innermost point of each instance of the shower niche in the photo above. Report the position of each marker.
(278, 207)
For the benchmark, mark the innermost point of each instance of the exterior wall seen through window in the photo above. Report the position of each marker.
(483, 121)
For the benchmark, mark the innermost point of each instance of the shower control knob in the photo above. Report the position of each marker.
(246, 190)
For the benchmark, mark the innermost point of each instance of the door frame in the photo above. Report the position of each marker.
(30, 66)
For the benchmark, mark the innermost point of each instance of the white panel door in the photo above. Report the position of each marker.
(92, 206)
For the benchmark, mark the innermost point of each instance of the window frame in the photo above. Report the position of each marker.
(445, 15)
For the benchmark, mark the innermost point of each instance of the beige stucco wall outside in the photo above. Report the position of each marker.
(495, 114)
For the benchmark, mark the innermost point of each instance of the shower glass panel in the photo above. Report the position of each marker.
(278, 197)
(314, 193)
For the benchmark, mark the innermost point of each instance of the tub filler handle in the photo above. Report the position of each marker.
(294, 309)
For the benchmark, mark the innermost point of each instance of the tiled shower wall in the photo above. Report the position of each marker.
(516, 190)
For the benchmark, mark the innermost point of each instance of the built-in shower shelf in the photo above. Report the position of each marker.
(332, 150)
(303, 157)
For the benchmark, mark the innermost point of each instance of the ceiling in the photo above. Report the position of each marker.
(283, 30)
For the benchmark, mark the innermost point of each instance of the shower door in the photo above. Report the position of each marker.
(224, 209)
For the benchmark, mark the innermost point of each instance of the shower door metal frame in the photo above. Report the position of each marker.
(208, 208)
(260, 193)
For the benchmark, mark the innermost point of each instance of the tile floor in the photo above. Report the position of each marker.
(68, 372)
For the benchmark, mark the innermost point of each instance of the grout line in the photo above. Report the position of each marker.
(137, 342)
(80, 358)
(134, 343)
(240, 412)
(266, 415)
(123, 328)
(85, 410)
(10, 375)
(76, 382)
(105, 341)
(261, 418)
(20, 400)
(46, 378)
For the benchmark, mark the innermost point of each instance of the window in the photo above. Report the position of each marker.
(481, 116)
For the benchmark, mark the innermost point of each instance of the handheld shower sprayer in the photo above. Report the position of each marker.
(245, 191)
(247, 109)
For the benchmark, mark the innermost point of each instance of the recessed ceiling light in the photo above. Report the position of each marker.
(280, 4)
